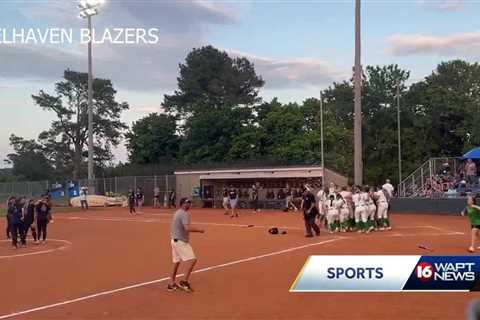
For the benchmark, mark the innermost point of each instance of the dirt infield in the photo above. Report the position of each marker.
(107, 264)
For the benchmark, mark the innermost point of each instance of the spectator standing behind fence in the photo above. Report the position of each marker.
(470, 172)
(83, 198)
(254, 198)
(139, 198)
(156, 197)
(172, 200)
(132, 201)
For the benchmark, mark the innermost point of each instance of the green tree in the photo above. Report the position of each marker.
(29, 161)
(66, 141)
(214, 101)
(448, 100)
(152, 138)
(379, 110)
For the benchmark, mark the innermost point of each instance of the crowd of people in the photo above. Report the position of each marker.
(361, 208)
(449, 181)
(26, 215)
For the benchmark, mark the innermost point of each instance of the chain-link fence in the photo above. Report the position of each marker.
(114, 186)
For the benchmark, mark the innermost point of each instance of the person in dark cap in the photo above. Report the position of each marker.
(181, 248)
(310, 212)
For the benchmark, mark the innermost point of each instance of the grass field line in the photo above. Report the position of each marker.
(142, 284)
(65, 245)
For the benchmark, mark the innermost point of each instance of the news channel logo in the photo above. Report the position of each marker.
(388, 274)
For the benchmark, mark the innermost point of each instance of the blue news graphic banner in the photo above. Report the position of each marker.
(389, 273)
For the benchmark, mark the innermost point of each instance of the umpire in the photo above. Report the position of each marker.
(310, 212)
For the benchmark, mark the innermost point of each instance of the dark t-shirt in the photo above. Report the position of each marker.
(232, 194)
(42, 212)
(140, 195)
(29, 213)
(308, 200)
(131, 198)
(225, 193)
(14, 214)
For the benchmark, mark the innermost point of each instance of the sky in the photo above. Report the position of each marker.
(298, 47)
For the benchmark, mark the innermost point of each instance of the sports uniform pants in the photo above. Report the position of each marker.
(42, 229)
(26, 226)
(332, 217)
(16, 230)
(310, 224)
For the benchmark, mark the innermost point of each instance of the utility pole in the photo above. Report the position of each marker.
(358, 147)
(324, 172)
(399, 141)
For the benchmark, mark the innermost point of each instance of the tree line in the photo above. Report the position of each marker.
(217, 117)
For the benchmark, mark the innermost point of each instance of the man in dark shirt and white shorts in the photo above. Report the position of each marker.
(181, 248)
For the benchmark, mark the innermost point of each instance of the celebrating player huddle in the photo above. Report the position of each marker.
(24, 215)
(363, 209)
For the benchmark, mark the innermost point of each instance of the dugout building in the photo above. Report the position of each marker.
(205, 186)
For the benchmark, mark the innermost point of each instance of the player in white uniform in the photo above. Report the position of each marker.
(332, 213)
(360, 210)
(321, 200)
(225, 200)
(332, 189)
(343, 212)
(371, 209)
(346, 194)
(365, 199)
(388, 186)
(382, 212)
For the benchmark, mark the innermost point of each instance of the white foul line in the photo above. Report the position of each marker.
(142, 284)
(66, 245)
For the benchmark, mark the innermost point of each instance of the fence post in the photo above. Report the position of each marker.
(421, 176)
(430, 170)
(135, 182)
(116, 185)
(166, 196)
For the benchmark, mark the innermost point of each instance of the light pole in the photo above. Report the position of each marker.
(324, 172)
(89, 8)
(399, 141)
(357, 130)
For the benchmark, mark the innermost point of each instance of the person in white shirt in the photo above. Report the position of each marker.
(388, 186)
(372, 209)
(83, 198)
(346, 194)
(360, 210)
(382, 213)
(321, 198)
(343, 212)
(332, 213)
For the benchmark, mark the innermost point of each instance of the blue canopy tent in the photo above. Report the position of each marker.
(472, 154)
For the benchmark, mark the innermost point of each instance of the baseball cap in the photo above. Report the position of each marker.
(185, 200)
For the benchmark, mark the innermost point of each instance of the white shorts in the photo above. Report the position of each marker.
(225, 201)
(182, 251)
(233, 203)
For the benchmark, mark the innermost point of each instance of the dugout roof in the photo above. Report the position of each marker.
(263, 173)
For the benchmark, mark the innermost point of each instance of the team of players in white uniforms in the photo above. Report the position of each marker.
(362, 209)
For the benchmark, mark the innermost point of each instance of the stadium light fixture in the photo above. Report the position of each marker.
(89, 8)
